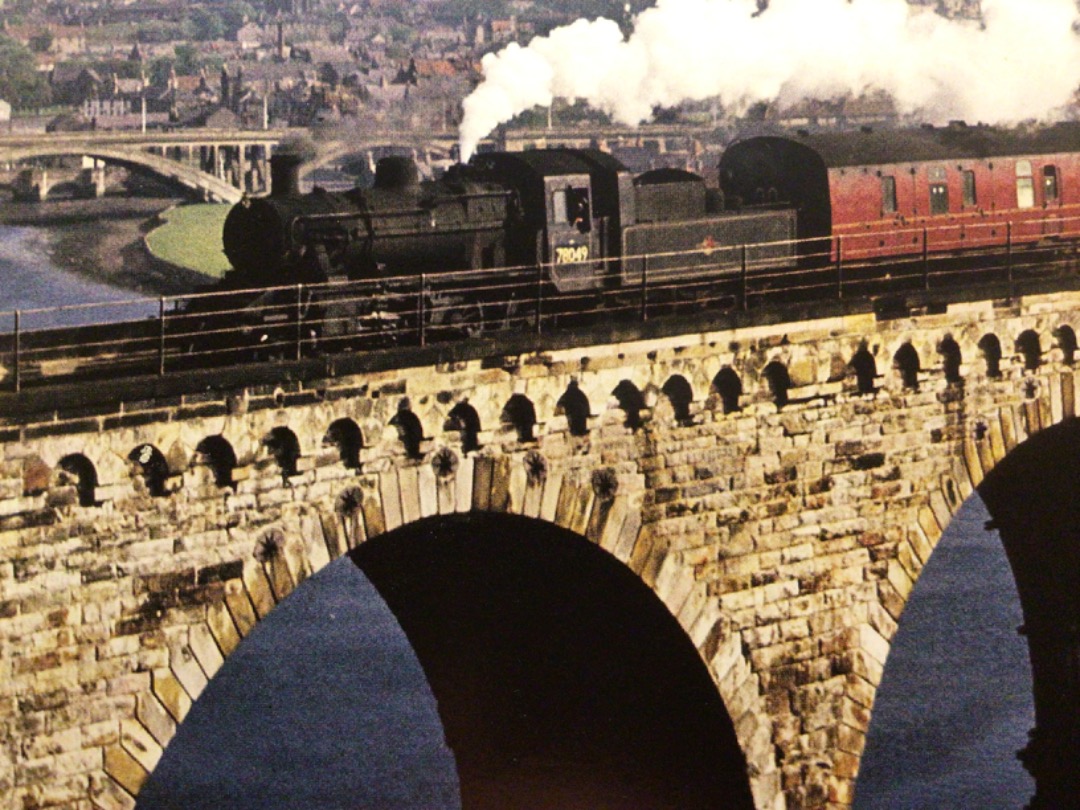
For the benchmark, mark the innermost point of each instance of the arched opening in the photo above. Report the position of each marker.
(990, 347)
(779, 382)
(219, 455)
(1066, 340)
(954, 704)
(1031, 497)
(906, 363)
(84, 475)
(409, 429)
(151, 466)
(865, 368)
(323, 705)
(951, 359)
(520, 415)
(631, 402)
(1027, 344)
(283, 445)
(728, 385)
(561, 680)
(680, 395)
(464, 419)
(345, 435)
(575, 405)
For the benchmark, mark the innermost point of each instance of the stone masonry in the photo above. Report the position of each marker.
(778, 487)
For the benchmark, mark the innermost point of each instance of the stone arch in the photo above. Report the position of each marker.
(84, 475)
(284, 446)
(464, 419)
(519, 414)
(990, 347)
(779, 381)
(680, 395)
(997, 443)
(595, 506)
(1066, 341)
(865, 368)
(151, 467)
(951, 359)
(346, 436)
(409, 429)
(218, 454)
(1028, 345)
(575, 406)
(631, 402)
(906, 363)
(727, 384)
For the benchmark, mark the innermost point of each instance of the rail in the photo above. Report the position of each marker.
(291, 322)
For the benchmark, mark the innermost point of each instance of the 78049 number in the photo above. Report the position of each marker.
(572, 254)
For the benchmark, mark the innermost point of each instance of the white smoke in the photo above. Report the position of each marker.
(1023, 62)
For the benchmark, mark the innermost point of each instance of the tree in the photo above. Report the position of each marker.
(20, 83)
(40, 43)
(207, 24)
(187, 60)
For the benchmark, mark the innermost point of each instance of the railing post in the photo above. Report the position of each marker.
(926, 256)
(539, 296)
(299, 321)
(1008, 251)
(420, 309)
(161, 336)
(743, 272)
(839, 267)
(644, 287)
(18, 341)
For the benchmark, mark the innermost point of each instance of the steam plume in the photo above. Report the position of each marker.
(1023, 62)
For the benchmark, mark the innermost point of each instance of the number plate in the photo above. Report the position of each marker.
(572, 254)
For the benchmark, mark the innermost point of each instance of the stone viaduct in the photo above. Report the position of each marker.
(778, 487)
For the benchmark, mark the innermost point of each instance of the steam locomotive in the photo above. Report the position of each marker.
(588, 235)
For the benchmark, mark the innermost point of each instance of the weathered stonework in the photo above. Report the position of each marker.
(785, 540)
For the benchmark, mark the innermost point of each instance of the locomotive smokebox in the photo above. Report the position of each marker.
(285, 174)
(396, 172)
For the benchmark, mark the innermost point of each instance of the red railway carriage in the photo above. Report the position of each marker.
(894, 193)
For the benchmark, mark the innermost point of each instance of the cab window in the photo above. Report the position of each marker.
(1050, 184)
(939, 191)
(570, 206)
(1025, 185)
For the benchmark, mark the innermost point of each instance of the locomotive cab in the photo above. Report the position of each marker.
(571, 235)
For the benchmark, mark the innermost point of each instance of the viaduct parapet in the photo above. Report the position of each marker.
(779, 488)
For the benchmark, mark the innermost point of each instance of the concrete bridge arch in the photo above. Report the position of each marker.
(190, 177)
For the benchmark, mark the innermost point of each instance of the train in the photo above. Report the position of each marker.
(546, 238)
(588, 235)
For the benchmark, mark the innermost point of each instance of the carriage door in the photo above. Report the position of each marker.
(1052, 223)
(572, 252)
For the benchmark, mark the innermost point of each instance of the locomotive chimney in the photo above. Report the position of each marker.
(284, 174)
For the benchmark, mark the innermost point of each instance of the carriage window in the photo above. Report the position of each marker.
(1050, 184)
(969, 187)
(1025, 185)
(939, 191)
(888, 195)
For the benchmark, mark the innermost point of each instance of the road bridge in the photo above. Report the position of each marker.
(775, 486)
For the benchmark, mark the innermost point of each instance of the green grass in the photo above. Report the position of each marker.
(191, 237)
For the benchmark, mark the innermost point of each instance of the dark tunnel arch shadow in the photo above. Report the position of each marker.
(1031, 497)
(562, 680)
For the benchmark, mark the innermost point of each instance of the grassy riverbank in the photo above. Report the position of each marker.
(191, 238)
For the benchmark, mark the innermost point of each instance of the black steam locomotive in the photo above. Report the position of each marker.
(488, 244)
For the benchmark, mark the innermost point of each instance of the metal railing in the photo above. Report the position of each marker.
(292, 322)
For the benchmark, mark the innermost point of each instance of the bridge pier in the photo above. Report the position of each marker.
(32, 185)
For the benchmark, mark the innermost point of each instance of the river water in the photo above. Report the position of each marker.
(325, 705)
